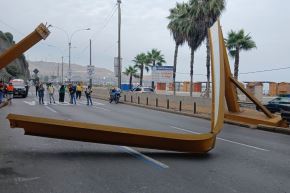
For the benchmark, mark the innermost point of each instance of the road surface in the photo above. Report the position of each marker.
(244, 160)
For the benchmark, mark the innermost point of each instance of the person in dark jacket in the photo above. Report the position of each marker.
(41, 93)
(61, 93)
(88, 93)
(72, 91)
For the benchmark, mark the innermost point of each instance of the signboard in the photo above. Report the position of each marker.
(116, 66)
(90, 71)
(69, 74)
(162, 74)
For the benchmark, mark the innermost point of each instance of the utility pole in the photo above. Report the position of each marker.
(119, 43)
(91, 81)
(62, 70)
(57, 72)
(69, 68)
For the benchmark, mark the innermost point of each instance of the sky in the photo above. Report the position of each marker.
(144, 26)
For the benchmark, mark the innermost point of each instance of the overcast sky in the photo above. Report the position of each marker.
(144, 26)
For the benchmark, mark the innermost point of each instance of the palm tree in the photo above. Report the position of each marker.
(141, 62)
(176, 32)
(209, 11)
(155, 58)
(194, 29)
(236, 42)
(131, 71)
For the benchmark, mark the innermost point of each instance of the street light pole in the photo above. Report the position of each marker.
(69, 68)
(62, 70)
(119, 43)
(91, 81)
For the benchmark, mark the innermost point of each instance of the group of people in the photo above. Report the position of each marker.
(6, 90)
(75, 92)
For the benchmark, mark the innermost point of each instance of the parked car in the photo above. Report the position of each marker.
(278, 104)
(20, 88)
(142, 89)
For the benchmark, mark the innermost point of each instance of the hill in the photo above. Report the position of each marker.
(50, 69)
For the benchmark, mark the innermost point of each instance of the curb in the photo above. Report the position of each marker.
(281, 130)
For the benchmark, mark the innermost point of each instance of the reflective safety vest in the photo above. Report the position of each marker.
(10, 89)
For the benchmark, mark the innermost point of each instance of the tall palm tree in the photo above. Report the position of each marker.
(209, 11)
(236, 42)
(155, 58)
(131, 71)
(174, 26)
(141, 62)
(194, 29)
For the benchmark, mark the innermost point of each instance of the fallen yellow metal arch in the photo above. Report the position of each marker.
(106, 134)
(87, 132)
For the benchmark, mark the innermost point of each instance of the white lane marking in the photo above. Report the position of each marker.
(32, 103)
(101, 108)
(20, 179)
(222, 139)
(51, 109)
(242, 144)
(184, 130)
(95, 102)
(144, 157)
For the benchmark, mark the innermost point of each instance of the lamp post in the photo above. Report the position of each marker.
(69, 39)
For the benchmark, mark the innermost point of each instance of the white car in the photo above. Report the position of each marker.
(143, 90)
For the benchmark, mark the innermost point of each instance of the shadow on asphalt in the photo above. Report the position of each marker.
(99, 155)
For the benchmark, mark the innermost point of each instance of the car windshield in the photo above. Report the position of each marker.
(18, 83)
(148, 89)
(285, 100)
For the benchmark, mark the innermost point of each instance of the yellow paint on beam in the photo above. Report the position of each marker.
(106, 134)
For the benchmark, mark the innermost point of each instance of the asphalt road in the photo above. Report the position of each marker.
(244, 160)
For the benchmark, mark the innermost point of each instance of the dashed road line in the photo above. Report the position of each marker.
(222, 139)
(51, 109)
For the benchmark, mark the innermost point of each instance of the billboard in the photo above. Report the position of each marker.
(162, 74)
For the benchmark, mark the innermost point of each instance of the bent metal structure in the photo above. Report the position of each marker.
(198, 143)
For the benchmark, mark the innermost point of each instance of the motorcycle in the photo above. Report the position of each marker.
(115, 96)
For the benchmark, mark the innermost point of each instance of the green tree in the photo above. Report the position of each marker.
(208, 11)
(194, 29)
(13, 70)
(141, 62)
(155, 58)
(236, 42)
(175, 29)
(131, 71)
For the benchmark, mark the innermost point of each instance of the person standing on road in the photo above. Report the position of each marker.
(1, 91)
(10, 89)
(88, 93)
(50, 90)
(72, 91)
(61, 93)
(36, 88)
(79, 91)
(41, 93)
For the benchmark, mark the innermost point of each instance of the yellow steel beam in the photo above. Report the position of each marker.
(106, 134)
(41, 32)
(252, 98)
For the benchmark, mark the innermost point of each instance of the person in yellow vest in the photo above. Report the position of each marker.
(79, 91)
(10, 91)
